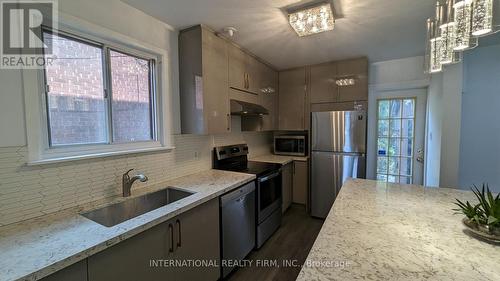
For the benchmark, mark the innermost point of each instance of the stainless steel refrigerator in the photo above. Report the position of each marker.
(338, 152)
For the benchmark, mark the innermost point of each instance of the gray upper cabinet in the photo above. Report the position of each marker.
(359, 69)
(292, 99)
(269, 100)
(203, 76)
(193, 235)
(323, 88)
(238, 64)
(244, 70)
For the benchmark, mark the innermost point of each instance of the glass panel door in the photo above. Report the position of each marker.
(395, 139)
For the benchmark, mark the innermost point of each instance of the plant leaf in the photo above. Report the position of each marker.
(492, 220)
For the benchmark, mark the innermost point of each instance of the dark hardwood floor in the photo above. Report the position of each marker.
(291, 242)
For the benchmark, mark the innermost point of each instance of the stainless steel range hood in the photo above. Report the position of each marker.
(247, 109)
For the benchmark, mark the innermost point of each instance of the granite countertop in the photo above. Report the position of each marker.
(279, 159)
(35, 248)
(379, 231)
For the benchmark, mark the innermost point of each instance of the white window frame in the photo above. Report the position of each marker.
(39, 150)
(400, 157)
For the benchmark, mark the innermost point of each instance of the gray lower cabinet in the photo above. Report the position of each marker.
(300, 182)
(129, 260)
(191, 236)
(198, 240)
(75, 272)
(287, 185)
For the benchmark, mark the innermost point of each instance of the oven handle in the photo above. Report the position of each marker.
(273, 175)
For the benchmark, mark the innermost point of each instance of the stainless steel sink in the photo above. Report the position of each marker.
(133, 207)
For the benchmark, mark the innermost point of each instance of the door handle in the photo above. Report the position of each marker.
(242, 199)
(271, 176)
(228, 121)
(420, 155)
(171, 242)
(178, 222)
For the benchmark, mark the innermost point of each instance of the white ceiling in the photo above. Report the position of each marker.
(379, 29)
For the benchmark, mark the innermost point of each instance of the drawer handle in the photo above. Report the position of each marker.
(178, 222)
(171, 230)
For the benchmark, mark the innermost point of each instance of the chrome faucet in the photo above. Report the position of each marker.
(127, 182)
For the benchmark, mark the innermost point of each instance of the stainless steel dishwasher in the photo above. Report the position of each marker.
(238, 225)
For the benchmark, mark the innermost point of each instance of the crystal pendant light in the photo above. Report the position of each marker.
(482, 18)
(447, 28)
(434, 43)
(463, 15)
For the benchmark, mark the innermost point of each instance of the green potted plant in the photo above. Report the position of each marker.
(482, 218)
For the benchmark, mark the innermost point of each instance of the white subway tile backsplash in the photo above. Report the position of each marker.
(31, 191)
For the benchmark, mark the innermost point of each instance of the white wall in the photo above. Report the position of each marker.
(12, 126)
(444, 104)
(386, 76)
(443, 127)
(434, 131)
(480, 123)
(451, 113)
(392, 72)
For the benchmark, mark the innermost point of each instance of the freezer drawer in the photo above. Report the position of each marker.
(329, 172)
(339, 131)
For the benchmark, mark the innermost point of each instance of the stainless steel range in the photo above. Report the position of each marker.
(268, 186)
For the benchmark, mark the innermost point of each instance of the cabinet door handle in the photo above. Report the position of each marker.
(171, 246)
(178, 222)
(228, 121)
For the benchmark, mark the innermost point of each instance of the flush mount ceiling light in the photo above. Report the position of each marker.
(312, 20)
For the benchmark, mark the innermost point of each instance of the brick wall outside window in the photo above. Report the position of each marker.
(76, 104)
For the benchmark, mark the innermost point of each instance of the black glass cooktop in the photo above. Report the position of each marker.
(252, 167)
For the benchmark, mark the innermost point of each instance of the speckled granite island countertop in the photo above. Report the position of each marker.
(35, 248)
(278, 159)
(378, 231)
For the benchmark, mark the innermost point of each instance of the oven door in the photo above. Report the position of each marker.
(269, 195)
(290, 145)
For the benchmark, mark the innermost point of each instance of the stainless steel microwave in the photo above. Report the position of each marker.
(290, 145)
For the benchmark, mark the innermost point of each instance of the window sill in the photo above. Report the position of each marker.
(96, 155)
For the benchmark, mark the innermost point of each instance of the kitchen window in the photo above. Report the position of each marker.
(97, 95)
(101, 96)
(395, 139)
